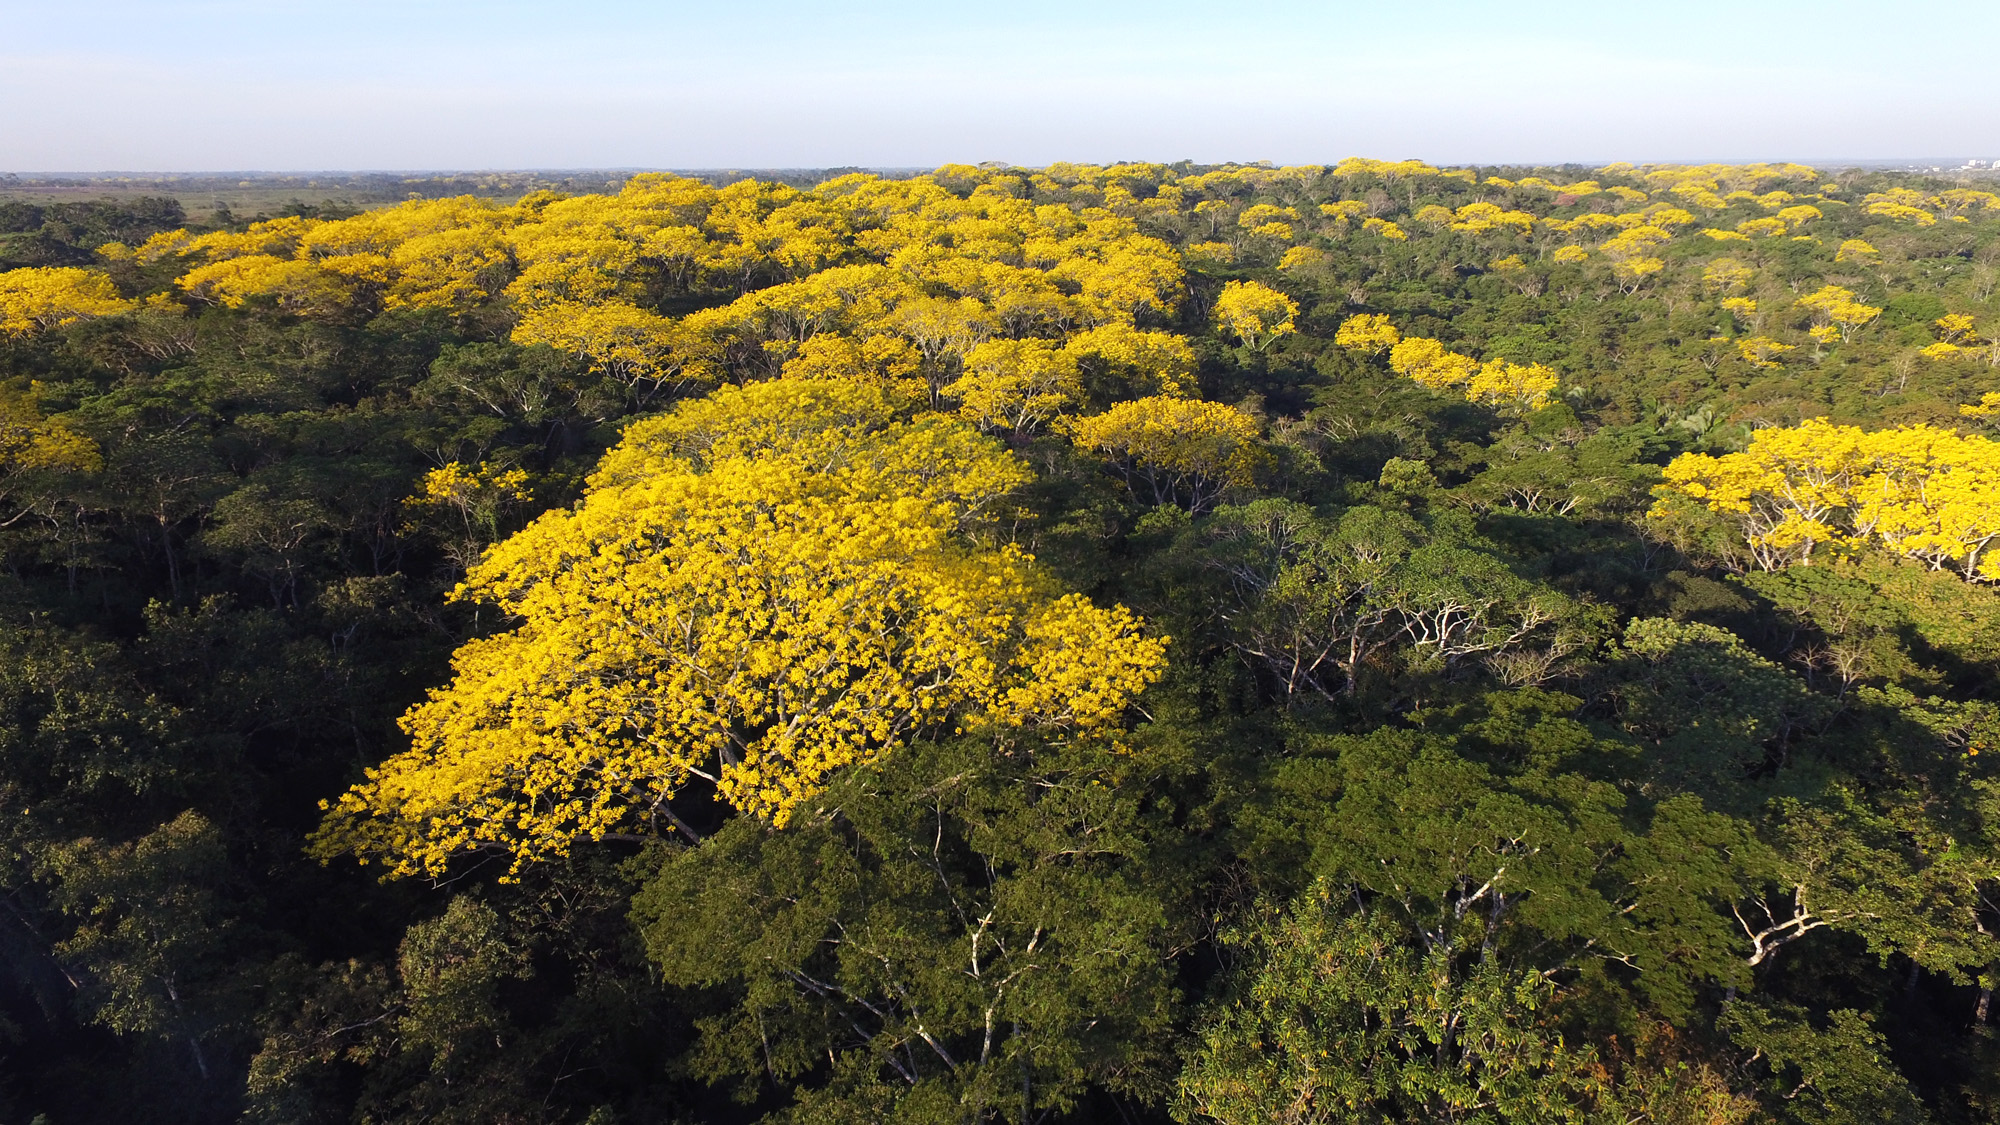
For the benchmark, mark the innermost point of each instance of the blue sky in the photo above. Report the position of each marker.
(185, 85)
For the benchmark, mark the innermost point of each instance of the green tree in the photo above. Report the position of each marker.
(957, 937)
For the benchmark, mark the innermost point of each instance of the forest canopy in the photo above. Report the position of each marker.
(1360, 642)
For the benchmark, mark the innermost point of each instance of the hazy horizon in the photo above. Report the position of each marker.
(1949, 163)
(182, 85)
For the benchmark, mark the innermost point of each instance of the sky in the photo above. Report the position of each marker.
(208, 85)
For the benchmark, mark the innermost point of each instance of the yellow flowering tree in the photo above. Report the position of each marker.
(293, 285)
(758, 589)
(1857, 250)
(1499, 382)
(1958, 336)
(39, 298)
(463, 507)
(1919, 491)
(1302, 258)
(1762, 351)
(1255, 314)
(1384, 228)
(31, 444)
(1269, 220)
(1481, 217)
(1147, 362)
(1631, 254)
(1367, 332)
(639, 348)
(1783, 493)
(1836, 314)
(1181, 450)
(1726, 275)
(1429, 363)
(1016, 385)
(1902, 205)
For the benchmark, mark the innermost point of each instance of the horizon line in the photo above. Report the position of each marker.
(1959, 164)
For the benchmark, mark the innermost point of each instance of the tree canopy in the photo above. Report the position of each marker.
(1363, 642)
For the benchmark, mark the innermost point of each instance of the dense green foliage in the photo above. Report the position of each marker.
(1470, 792)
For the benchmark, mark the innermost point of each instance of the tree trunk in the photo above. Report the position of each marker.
(173, 562)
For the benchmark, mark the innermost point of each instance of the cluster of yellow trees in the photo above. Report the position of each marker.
(903, 278)
(1625, 240)
(1183, 450)
(1921, 492)
(1496, 382)
(797, 572)
(911, 276)
(1834, 313)
(1255, 314)
(1909, 205)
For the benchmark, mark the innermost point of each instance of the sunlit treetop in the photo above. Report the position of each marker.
(583, 274)
(1255, 314)
(760, 587)
(1751, 177)
(32, 444)
(40, 298)
(1798, 492)
(1430, 363)
(1174, 450)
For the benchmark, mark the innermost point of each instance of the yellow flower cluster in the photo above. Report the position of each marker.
(1367, 332)
(1856, 250)
(1477, 218)
(1717, 177)
(1185, 449)
(1255, 314)
(1762, 351)
(39, 298)
(1836, 314)
(29, 442)
(1959, 337)
(1385, 229)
